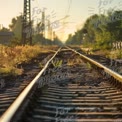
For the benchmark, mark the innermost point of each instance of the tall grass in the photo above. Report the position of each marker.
(115, 54)
(10, 57)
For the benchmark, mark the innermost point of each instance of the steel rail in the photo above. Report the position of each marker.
(107, 70)
(10, 112)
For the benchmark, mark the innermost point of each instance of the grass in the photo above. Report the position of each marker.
(57, 63)
(75, 61)
(88, 65)
(115, 54)
(11, 57)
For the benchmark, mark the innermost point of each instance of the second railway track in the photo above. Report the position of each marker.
(69, 89)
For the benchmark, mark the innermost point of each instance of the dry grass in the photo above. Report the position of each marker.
(10, 57)
(115, 54)
(74, 61)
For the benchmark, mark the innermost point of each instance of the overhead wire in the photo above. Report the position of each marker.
(69, 6)
(64, 24)
(66, 13)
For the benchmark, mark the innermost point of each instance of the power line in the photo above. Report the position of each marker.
(69, 6)
(64, 24)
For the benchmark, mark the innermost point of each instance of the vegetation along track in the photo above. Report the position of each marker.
(70, 88)
(114, 64)
(12, 86)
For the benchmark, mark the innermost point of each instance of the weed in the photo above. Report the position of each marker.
(75, 61)
(88, 65)
(57, 63)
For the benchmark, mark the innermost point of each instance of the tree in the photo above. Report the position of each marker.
(69, 40)
(57, 41)
(100, 30)
(4, 30)
(16, 27)
(13, 22)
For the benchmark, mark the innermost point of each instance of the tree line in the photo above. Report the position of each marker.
(99, 31)
(37, 38)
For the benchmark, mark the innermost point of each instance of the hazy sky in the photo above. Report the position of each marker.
(78, 11)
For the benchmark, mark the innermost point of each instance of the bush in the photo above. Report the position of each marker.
(10, 57)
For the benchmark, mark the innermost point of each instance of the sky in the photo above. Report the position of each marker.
(77, 11)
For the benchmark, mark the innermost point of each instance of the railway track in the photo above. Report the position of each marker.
(13, 85)
(113, 64)
(70, 88)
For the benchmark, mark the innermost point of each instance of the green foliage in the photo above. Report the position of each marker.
(89, 65)
(16, 28)
(99, 31)
(57, 41)
(75, 39)
(115, 54)
(4, 30)
(57, 63)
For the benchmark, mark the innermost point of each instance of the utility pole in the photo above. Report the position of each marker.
(51, 34)
(43, 24)
(26, 23)
(54, 35)
(49, 29)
